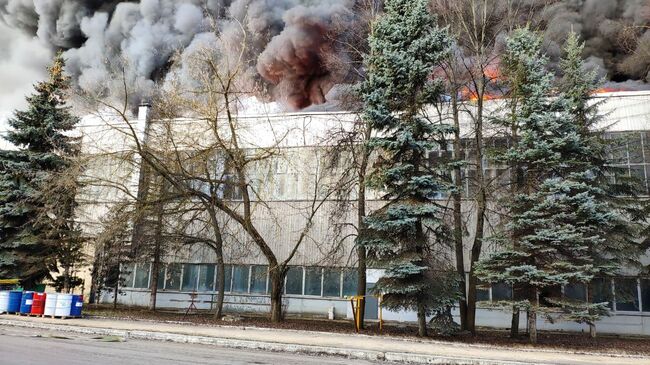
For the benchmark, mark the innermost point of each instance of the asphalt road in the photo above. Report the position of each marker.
(26, 346)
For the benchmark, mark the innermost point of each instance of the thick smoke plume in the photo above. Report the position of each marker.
(294, 48)
(291, 43)
(616, 35)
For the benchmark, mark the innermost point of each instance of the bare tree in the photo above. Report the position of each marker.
(208, 156)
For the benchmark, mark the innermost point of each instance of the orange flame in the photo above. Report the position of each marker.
(471, 95)
(603, 90)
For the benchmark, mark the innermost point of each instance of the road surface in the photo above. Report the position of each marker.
(23, 346)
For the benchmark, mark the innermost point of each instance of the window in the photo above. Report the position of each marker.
(331, 282)
(294, 281)
(350, 282)
(161, 277)
(126, 275)
(173, 277)
(240, 279)
(600, 291)
(313, 283)
(501, 291)
(258, 279)
(626, 291)
(482, 292)
(550, 294)
(645, 294)
(206, 278)
(190, 277)
(227, 282)
(142, 276)
(635, 149)
(575, 291)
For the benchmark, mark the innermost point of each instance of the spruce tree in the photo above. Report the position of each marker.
(561, 222)
(406, 45)
(34, 215)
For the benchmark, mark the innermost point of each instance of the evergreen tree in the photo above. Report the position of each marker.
(561, 222)
(35, 215)
(406, 45)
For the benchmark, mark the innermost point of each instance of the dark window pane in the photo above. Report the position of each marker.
(645, 294)
(482, 292)
(142, 276)
(627, 298)
(550, 294)
(501, 291)
(575, 291)
(638, 176)
(350, 282)
(600, 291)
(646, 146)
(618, 151)
(227, 278)
(332, 283)
(190, 277)
(258, 279)
(240, 279)
(126, 275)
(206, 277)
(634, 148)
(313, 281)
(294, 280)
(173, 277)
(161, 277)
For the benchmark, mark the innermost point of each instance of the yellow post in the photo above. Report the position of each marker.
(358, 316)
(355, 311)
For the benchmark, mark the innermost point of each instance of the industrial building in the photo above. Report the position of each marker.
(323, 270)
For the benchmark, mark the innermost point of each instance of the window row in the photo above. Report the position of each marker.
(623, 294)
(253, 279)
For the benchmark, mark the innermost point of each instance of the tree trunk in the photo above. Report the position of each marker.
(471, 303)
(532, 325)
(422, 321)
(218, 251)
(458, 220)
(361, 251)
(221, 286)
(155, 272)
(66, 280)
(157, 249)
(277, 275)
(153, 286)
(116, 292)
(514, 323)
(361, 284)
(481, 207)
(592, 330)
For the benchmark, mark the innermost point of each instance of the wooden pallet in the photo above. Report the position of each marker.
(28, 314)
(59, 317)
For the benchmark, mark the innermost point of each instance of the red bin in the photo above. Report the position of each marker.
(38, 306)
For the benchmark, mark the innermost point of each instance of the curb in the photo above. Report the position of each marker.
(357, 354)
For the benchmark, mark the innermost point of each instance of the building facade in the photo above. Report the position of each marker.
(323, 269)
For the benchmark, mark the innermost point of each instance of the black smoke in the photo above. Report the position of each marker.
(295, 49)
(290, 43)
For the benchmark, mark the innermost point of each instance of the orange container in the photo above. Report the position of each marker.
(38, 306)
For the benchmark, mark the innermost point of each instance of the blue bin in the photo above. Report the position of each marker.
(77, 305)
(26, 302)
(14, 301)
